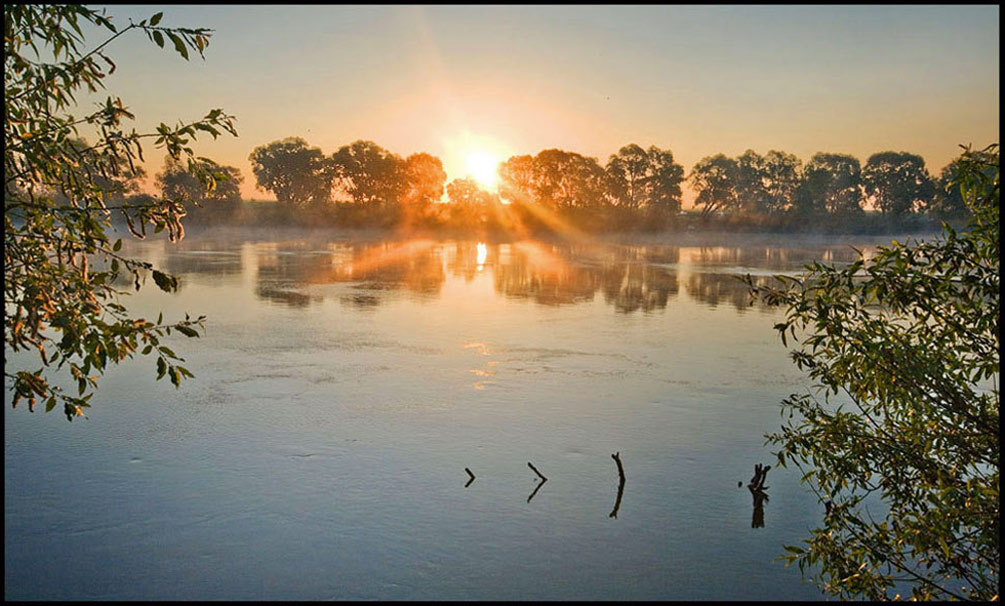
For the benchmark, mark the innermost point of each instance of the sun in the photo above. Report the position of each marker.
(482, 166)
(475, 156)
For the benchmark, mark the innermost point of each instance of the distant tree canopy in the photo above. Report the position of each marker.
(641, 178)
(948, 200)
(565, 180)
(370, 174)
(425, 177)
(114, 176)
(202, 201)
(749, 184)
(716, 179)
(297, 174)
(557, 185)
(766, 184)
(470, 205)
(638, 188)
(832, 184)
(898, 182)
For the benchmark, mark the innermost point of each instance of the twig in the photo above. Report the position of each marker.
(540, 475)
(535, 491)
(621, 484)
(621, 470)
(472, 477)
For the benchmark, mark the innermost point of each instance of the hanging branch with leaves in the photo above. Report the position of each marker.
(61, 195)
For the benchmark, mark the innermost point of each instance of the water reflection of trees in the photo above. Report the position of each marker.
(566, 274)
(285, 270)
(773, 258)
(211, 260)
(632, 286)
(414, 266)
(525, 276)
(629, 278)
(717, 288)
(714, 289)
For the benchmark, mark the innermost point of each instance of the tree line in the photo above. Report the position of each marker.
(364, 185)
(638, 189)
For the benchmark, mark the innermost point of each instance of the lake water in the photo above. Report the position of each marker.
(343, 386)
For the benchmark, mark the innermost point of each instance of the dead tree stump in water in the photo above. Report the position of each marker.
(760, 474)
(757, 489)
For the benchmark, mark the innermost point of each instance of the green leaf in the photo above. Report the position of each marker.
(158, 38)
(164, 281)
(179, 45)
(156, 19)
(187, 331)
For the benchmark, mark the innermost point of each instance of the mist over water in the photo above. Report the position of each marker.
(344, 385)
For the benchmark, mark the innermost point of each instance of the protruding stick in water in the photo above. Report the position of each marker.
(540, 475)
(621, 484)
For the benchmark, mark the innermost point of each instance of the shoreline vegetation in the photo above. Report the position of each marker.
(266, 220)
(637, 192)
(671, 237)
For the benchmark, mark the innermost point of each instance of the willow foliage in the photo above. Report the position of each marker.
(901, 440)
(62, 266)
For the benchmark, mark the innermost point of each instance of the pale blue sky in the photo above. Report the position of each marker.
(699, 80)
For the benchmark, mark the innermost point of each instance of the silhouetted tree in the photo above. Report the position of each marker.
(948, 203)
(114, 177)
(714, 179)
(627, 171)
(425, 178)
(516, 179)
(662, 189)
(780, 177)
(297, 174)
(470, 205)
(750, 191)
(213, 191)
(898, 182)
(832, 184)
(565, 180)
(372, 177)
(638, 178)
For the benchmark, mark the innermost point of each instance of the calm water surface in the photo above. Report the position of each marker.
(343, 386)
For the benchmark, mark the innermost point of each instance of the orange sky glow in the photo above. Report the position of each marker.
(494, 81)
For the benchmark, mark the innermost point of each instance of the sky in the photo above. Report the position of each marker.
(506, 80)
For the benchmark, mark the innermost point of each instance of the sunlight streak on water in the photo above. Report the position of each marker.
(342, 388)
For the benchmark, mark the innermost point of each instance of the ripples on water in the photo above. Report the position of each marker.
(342, 387)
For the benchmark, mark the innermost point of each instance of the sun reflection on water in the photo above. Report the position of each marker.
(483, 252)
